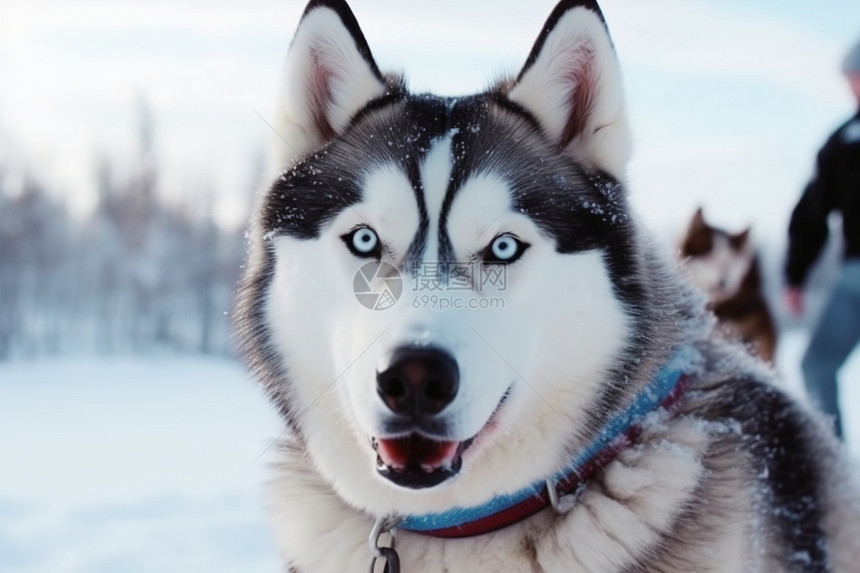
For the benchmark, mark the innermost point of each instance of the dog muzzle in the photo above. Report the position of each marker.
(561, 490)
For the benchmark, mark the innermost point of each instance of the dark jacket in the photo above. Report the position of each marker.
(835, 186)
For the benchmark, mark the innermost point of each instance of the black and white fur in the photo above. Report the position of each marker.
(741, 479)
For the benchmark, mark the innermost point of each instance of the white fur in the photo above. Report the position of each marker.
(435, 175)
(334, 361)
(546, 89)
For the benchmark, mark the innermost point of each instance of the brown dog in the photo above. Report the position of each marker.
(726, 267)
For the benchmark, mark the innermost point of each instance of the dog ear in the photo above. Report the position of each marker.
(571, 83)
(328, 77)
(699, 237)
(698, 220)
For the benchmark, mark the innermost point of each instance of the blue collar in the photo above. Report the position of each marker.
(505, 509)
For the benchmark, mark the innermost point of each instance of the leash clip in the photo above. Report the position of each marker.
(391, 559)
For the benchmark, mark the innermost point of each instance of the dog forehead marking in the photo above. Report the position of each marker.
(435, 176)
(387, 191)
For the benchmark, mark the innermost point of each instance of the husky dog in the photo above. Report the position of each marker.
(589, 423)
(726, 268)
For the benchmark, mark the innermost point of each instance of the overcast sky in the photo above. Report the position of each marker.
(729, 99)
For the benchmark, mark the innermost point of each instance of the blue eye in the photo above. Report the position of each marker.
(504, 249)
(363, 242)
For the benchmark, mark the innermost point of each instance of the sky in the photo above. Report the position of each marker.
(729, 99)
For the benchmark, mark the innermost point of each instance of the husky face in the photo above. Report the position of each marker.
(717, 262)
(413, 407)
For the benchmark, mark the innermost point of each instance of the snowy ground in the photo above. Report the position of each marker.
(133, 465)
(136, 465)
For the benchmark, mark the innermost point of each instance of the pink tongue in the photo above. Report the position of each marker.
(398, 453)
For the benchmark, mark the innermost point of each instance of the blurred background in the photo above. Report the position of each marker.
(133, 140)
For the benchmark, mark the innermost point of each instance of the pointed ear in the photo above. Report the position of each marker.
(571, 83)
(698, 220)
(328, 77)
(699, 237)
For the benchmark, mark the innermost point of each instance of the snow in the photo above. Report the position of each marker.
(133, 464)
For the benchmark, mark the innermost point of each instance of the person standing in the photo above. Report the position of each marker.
(835, 186)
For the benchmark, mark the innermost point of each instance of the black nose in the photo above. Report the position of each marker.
(418, 381)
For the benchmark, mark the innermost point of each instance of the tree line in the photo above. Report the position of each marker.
(134, 275)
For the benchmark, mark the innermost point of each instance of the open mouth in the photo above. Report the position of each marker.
(418, 462)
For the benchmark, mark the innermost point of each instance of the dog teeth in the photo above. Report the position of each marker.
(380, 465)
